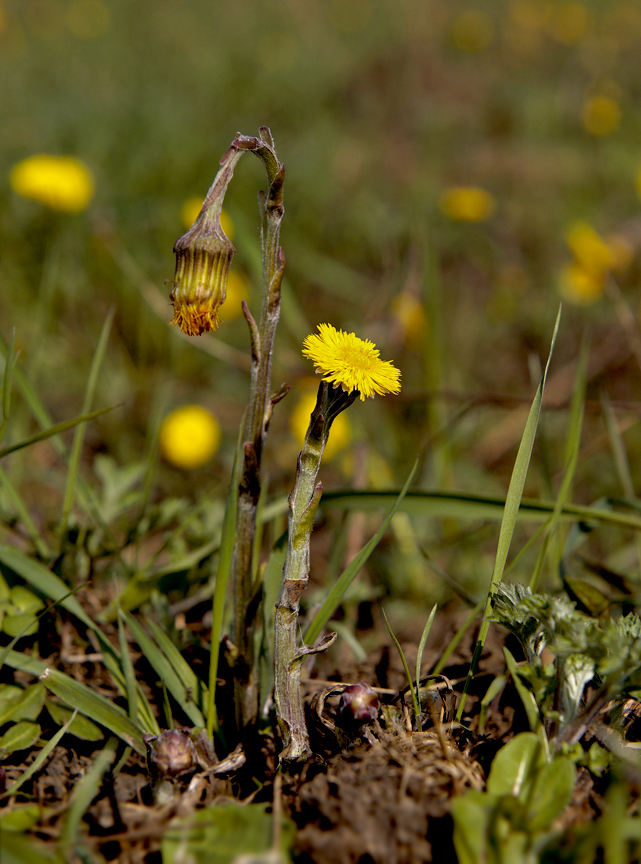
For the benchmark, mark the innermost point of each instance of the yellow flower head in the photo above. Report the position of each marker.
(61, 182)
(189, 436)
(467, 203)
(601, 116)
(351, 363)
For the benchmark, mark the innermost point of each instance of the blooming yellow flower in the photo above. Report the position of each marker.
(60, 182)
(580, 285)
(601, 116)
(590, 250)
(299, 421)
(351, 363)
(189, 436)
(467, 203)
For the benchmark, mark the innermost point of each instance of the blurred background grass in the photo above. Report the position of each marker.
(453, 171)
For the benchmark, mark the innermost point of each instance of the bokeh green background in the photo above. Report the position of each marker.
(377, 108)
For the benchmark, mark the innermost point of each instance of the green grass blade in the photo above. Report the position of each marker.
(79, 437)
(7, 382)
(408, 674)
(51, 431)
(24, 516)
(423, 642)
(40, 759)
(85, 791)
(178, 688)
(458, 636)
(335, 595)
(93, 705)
(512, 504)
(128, 672)
(220, 589)
(196, 688)
(573, 444)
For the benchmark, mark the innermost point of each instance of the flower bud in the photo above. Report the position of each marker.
(203, 258)
(171, 755)
(358, 705)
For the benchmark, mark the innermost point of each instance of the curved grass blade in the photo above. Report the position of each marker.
(178, 688)
(40, 758)
(24, 516)
(79, 436)
(423, 642)
(512, 504)
(50, 431)
(84, 792)
(408, 674)
(335, 595)
(7, 380)
(93, 705)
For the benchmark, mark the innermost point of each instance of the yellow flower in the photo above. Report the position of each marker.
(408, 311)
(581, 286)
(61, 182)
(601, 116)
(590, 250)
(299, 421)
(467, 203)
(472, 31)
(351, 363)
(189, 436)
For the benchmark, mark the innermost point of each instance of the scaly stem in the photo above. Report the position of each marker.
(303, 503)
(259, 412)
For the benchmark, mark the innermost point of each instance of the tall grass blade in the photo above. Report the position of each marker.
(52, 431)
(408, 674)
(79, 437)
(512, 503)
(220, 589)
(93, 705)
(423, 642)
(24, 516)
(7, 382)
(573, 444)
(85, 791)
(335, 595)
(128, 671)
(178, 688)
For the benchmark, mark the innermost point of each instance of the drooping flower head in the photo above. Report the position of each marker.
(351, 363)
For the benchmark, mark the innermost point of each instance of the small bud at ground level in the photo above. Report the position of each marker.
(171, 755)
(358, 705)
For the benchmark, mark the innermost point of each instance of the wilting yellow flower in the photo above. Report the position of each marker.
(601, 116)
(351, 363)
(189, 436)
(467, 203)
(61, 182)
(299, 421)
(191, 210)
(581, 286)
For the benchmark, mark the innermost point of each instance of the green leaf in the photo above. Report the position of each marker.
(85, 791)
(20, 848)
(515, 765)
(26, 705)
(471, 814)
(552, 793)
(96, 707)
(20, 736)
(80, 726)
(223, 833)
(20, 612)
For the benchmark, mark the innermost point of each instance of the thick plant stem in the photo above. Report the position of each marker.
(260, 406)
(303, 503)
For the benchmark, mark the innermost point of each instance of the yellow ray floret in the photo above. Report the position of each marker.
(351, 363)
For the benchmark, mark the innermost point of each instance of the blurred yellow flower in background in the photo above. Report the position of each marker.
(467, 203)
(238, 289)
(299, 421)
(410, 315)
(193, 206)
(569, 22)
(60, 182)
(472, 31)
(189, 436)
(601, 116)
(583, 280)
